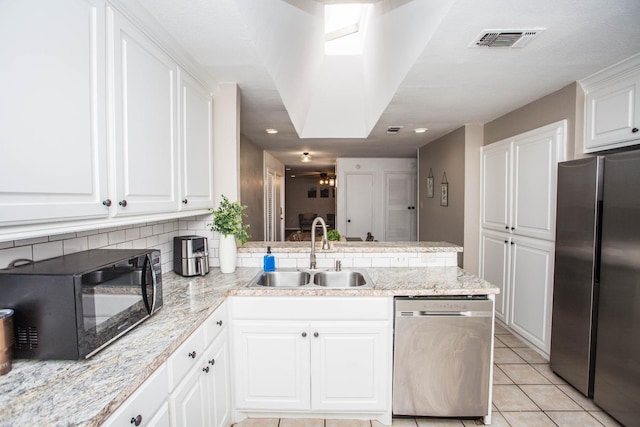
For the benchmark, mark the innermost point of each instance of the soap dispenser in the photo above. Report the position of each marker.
(269, 261)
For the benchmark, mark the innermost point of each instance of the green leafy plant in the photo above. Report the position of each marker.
(227, 220)
(333, 235)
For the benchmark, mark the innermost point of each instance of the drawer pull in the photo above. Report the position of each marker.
(315, 334)
(205, 369)
(192, 354)
(137, 420)
(219, 323)
(212, 362)
(304, 335)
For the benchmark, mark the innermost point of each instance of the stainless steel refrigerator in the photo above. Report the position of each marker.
(595, 336)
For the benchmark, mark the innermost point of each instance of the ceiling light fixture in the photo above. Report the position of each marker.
(305, 158)
(420, 130)
(271, 131)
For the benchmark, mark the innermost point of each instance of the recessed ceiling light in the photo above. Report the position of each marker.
(420, 130)
(271, 131)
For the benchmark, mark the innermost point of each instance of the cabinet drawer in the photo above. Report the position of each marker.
(144, 402)
(185, 357)
(311, 308)
(215, 323)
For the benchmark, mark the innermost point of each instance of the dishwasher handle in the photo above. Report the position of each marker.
(467, 313)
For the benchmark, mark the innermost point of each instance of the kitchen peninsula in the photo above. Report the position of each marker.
(88, 392)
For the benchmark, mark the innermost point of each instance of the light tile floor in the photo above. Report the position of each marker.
(525, 393)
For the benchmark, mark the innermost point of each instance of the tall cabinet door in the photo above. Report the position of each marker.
(349, 365)
(400, 193)
(495, 250)
(495, 187)
(272, 365)
(145, 111)
(52, 111)
(196, 144)
(535, 160)
(531, 292)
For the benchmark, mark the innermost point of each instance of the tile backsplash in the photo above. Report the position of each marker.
(152, 235)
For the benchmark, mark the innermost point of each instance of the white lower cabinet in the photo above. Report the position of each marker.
(523, 270)
(329, 363)
(147, 406)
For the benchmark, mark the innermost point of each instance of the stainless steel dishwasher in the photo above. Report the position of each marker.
(442, 351)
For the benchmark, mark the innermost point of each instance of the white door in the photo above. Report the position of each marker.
(52, 113)
(400, 205)
(494, 186)
(495, 249)
(349, 362)
(359, 205)
(272, 365)
(196, 144)
(535, 161)
(531, 291)
(145, 112)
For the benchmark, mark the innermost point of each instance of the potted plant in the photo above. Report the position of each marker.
(333, 235)
(227, 220)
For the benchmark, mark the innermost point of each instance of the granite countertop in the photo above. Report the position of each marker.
(86, 392)
(372, 247)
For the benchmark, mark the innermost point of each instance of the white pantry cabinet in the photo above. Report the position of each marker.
(53, 164)
(145, 168)
(332, 357)
(495, 252)
(612, 107)
(518, 182)
(400, 204)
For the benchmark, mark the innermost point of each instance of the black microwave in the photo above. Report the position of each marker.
(72, 306)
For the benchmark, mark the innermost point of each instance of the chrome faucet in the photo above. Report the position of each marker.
(325, 241)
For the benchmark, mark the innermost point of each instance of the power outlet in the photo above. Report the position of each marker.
(400, 261)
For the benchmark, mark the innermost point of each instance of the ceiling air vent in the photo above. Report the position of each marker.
(506, 38)
(393, 130)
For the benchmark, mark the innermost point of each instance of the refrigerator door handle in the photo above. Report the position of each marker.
(598, 254)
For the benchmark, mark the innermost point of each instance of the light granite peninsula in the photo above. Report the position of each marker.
(87, 392)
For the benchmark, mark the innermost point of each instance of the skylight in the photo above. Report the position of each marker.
(343, 28)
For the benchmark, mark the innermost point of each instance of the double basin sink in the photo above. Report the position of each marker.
(292, 278)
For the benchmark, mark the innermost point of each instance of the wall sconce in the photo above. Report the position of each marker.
(305, 158)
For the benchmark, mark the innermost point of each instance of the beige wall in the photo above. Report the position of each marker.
(566, 103)
(252, 186)
(438, 223)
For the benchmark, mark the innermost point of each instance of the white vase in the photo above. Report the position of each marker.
(227, 253)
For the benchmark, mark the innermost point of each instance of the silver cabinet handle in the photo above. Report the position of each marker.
(304, 335)
(123, 203)
(107, 202)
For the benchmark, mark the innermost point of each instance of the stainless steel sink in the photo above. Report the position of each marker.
(281, 279)
(291, 278)
(339, 279)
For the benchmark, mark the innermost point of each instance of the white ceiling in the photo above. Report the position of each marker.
(422, 70)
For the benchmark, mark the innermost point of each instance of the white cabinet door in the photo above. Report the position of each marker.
(272, 365)
(52, 111)
(196, 144)
(145, 111)
(495, 186)
(531, 293)
(535, 158)
(495, 250)
(350, 366)
(188, 403)
(216, 360)
(400, 194)
(613, 114)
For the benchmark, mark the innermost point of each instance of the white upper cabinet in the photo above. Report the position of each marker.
(196, 144)
(518, 182)
(612, 107)
(145, 122)
(52, 111)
